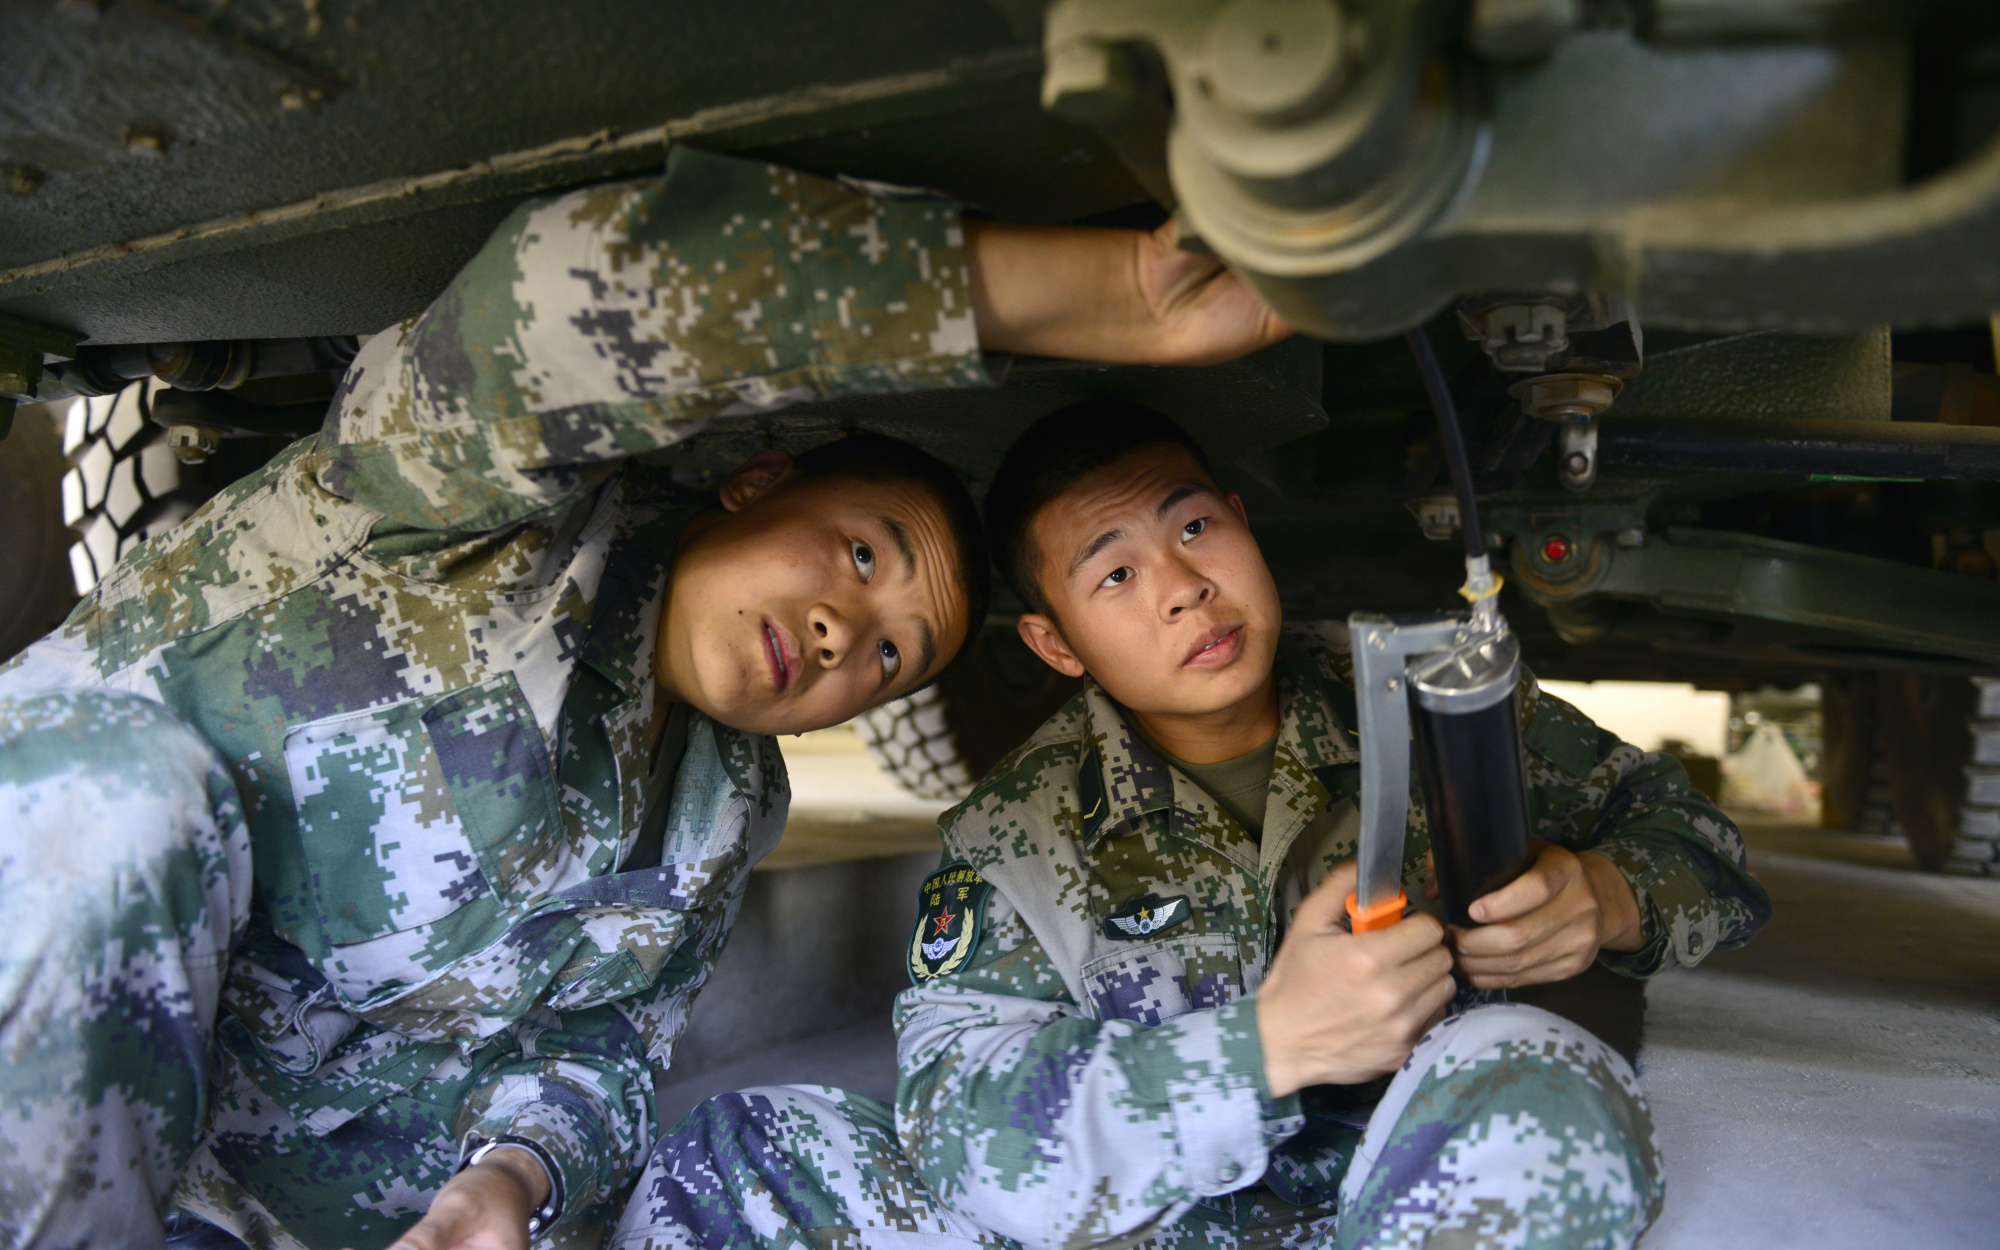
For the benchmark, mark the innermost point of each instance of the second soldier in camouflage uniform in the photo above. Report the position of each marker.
(1084, 1060)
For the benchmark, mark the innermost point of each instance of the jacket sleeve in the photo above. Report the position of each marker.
(615, 320)
(1685, 860)
(582, 1085)
(1046, 1126)
(582, 1091)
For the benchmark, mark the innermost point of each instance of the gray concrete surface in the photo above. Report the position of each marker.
(1837, 1082)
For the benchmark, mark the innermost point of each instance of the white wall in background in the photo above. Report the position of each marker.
(1644, 713)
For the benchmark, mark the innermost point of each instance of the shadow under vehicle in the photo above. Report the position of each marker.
(1715, 281)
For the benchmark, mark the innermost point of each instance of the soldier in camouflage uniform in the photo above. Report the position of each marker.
(418, 776)
(1137, 1018)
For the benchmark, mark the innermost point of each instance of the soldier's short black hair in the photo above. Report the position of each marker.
(886, 461)
(1055, 454)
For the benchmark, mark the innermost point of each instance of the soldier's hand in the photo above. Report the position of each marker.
(1340, 1008)
(1120, 296)
(485, 1207)
(1549, 923)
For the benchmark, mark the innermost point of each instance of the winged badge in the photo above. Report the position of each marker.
(1149, 920)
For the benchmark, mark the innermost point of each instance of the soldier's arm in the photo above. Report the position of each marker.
(614, 320)
(1683, 860)
(1041, 1124)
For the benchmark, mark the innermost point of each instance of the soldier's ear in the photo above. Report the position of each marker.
(756, 477)
(1046, 641)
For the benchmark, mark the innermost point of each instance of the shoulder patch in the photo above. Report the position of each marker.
(951, 912)
(1090, 798)
(1146, 915)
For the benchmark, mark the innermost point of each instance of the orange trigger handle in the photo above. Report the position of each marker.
(1379, 916)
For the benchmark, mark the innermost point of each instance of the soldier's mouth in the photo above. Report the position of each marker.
(781, 654)
(1216, 648)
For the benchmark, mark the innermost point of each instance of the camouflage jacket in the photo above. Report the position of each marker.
(1068, 1079)
(423, 641)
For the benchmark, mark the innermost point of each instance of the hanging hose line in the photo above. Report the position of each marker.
(1453, 440)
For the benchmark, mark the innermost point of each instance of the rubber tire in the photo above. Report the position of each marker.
(125, 485)
(1927, 740)
(940, 741)
(35, 591)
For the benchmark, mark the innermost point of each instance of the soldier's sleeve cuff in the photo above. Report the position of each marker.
(1686, 936)
(1225, 1121)
(1244, 1046)
(565, 1135)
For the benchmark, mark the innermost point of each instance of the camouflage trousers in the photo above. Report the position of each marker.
(1508, 1127)
(124, 879)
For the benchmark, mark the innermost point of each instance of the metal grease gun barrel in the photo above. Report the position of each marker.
(1467, 709)
(1468, 732)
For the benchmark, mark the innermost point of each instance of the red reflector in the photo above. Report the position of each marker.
(1556, 549)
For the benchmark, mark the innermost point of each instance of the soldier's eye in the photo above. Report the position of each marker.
(1118, 576)
(1193, 528)
(892, 659)
(864, 559)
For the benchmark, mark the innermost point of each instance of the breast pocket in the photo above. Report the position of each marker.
(1157, 981)
(410, 812)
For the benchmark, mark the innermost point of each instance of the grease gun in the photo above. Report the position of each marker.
(1459, 672)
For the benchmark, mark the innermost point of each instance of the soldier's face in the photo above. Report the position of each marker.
(1158, 589)
(806, 601)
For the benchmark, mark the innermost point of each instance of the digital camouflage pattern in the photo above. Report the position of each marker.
(1507, 1127)
(1075, 1081)
(799, 1167)
(1069, 1086)
(422, 643)
(124, 876)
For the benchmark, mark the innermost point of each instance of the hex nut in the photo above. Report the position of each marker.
(1567, 396)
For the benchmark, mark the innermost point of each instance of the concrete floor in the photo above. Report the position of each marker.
(1834, 1084)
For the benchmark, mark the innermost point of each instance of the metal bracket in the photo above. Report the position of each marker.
(1383, 647)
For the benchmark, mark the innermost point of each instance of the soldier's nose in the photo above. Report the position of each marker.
(830, 635)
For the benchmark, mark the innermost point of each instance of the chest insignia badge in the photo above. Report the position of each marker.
(1146, 915)
(951, 913)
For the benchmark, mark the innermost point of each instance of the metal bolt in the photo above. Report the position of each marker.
(1579, 454)
(20, 179)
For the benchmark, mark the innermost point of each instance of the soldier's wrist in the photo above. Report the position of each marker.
(1282, 1075)
(1619, 927)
